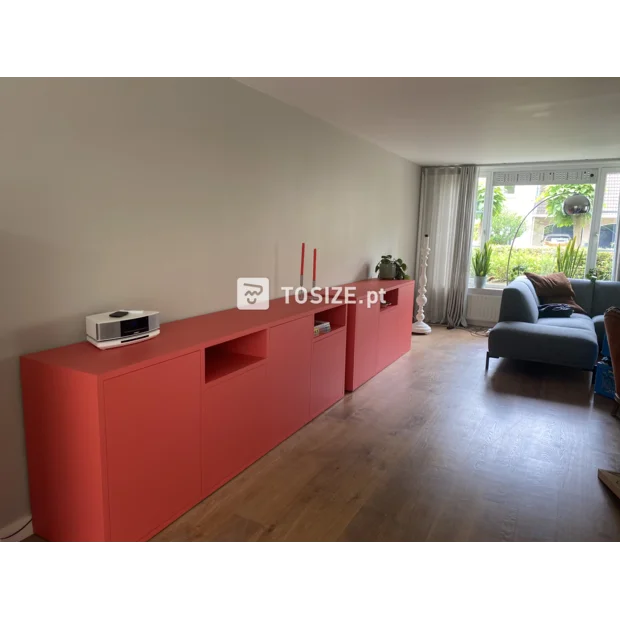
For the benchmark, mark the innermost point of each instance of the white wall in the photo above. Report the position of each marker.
(158, 194)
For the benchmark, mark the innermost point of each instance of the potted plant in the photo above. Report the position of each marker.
(481, 262)
(391, 269)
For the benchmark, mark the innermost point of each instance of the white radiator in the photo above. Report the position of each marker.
(483, 308)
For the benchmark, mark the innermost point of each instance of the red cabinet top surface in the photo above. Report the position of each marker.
(185, 335)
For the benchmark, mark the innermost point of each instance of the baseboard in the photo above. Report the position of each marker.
(480, 323)
(13, 527)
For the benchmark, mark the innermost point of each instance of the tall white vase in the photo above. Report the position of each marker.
(420, 327)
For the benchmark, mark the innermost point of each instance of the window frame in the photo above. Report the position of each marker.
(487, 210)
(597, 214)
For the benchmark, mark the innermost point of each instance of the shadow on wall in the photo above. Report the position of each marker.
(32, 276)
(364, 272)
(276, 270)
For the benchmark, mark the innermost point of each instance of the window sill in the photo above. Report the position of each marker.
(493, 292)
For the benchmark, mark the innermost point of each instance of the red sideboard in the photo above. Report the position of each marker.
(122, 442)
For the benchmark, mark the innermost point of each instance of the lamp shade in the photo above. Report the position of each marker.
(576, 204)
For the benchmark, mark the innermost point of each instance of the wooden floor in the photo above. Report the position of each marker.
(433, 449)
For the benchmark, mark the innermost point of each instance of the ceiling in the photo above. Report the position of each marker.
(434, 121)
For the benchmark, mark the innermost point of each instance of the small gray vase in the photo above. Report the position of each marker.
(387, 271)
(480, 281)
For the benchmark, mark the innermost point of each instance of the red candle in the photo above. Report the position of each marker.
(303, 255)
(314, 267)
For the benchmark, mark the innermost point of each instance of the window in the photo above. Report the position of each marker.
(481, 225)
(503, 215)
(538, 235)
(605, 251)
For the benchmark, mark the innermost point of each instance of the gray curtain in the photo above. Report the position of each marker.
(447, 206)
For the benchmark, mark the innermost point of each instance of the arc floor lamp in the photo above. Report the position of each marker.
(577, 204)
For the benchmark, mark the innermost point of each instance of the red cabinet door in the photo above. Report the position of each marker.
(289, 366)
(395, 329)
(362, 336)
(234, 432)
(152, 423)
(328, 362)
(389, 348)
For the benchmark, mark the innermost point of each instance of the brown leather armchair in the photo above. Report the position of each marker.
(612, 328)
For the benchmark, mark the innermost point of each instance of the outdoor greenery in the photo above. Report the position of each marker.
(499, 200)
(571, 261)
(542, 260)
(505, 225)
(604, 265)
(555, 206)
(536, 260)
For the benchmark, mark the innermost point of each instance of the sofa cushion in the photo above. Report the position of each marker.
(606, 295)
(599, 328)
(554, 288)
(519, 302)
(584, 292)
(551, 344)
(551, 285)
(575, 321)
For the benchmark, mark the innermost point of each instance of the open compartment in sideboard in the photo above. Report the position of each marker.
(336, 317)
(235, 355)
(390, 298)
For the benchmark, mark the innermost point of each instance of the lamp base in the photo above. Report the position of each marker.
(420, 327)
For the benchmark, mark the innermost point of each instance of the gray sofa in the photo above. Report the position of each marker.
(573, 341)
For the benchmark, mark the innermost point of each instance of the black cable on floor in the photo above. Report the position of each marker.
(481, 332)
(18, 531)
